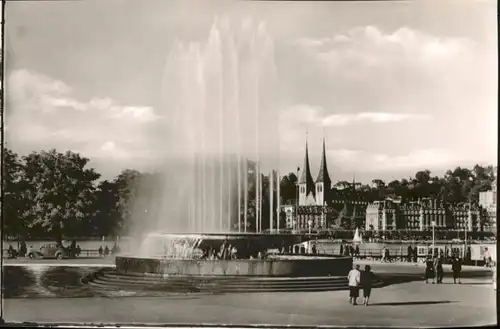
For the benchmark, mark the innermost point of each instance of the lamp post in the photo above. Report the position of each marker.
(433, 223)
(296, 221)
(466, 227)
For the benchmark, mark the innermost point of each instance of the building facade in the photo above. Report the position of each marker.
(382, 216)
(420, 216)
(488, 201)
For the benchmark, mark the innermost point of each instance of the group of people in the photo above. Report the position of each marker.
(434, 269)
(226, 252)
(349, 250)
(106, 251)
(360, 280)
(353, 251)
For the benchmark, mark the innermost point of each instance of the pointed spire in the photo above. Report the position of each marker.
(306, 177)
(323, 176)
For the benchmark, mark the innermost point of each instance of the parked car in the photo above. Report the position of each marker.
(49, 251)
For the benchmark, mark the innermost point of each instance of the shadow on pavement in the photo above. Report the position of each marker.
(414, 303)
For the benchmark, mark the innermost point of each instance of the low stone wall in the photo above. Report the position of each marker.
(299, 267)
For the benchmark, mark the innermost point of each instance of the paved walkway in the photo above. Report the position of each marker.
(411, 304)
(408, 304)
(61, 262)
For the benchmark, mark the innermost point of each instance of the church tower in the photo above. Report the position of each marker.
(306, 184)
(323, 182)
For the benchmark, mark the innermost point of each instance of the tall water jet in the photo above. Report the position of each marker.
(219, 96)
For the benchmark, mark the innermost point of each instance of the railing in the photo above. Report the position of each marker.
(84, 253)
(368, 254)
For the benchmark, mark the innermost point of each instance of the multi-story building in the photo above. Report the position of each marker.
(410, 216)
(382, 216)
(466, 216)
(420, 216)
(488, 201)
(433, 211)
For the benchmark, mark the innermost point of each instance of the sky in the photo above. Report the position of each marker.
(393, 87)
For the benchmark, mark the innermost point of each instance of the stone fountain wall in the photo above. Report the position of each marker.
(310, 266)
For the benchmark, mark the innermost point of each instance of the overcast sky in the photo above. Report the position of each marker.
(393, 86)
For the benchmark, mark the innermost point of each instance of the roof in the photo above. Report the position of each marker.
(323, 176)
(305, 177)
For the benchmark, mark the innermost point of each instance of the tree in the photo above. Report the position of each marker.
(14, 187)
(127, 183)
(394, 188)
(288, 188)
(107, 214)
(423, 176)
(61, 191)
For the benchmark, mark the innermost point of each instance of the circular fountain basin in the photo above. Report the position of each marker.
(273, 266)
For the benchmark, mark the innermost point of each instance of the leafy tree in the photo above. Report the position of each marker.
(107, 215)
(61, 191)
(127, 183)
(14, 187)
(288, 188)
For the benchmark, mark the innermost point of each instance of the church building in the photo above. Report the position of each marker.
(316, 210)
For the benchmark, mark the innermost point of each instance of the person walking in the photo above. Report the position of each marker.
(487, 258)
(367, 278)
(456, 267)
(429, 269)
(494, 264)
(434, 270)
(354, 278)
(440, 269)
(409, 253)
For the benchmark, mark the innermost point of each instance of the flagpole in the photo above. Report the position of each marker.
(239, 192)
(271, 197)
(295, 225)
(245, 195)
(278, 201)
(260, 201)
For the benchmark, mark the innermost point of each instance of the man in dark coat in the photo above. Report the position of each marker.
(456, 267)
(429, 270)
(410, 253)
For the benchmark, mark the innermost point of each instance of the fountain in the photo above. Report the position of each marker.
(357, 237)
(223, 137)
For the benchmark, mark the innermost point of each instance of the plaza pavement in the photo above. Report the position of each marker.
(410, 304)
(407, 304)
